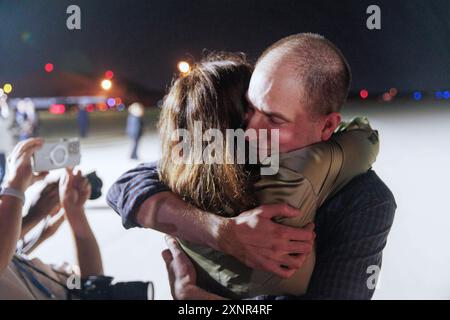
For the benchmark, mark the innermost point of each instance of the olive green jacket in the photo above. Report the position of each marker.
(305, 179)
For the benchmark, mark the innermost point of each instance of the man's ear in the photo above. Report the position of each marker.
(330, 124)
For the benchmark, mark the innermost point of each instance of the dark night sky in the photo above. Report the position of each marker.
(143, 40)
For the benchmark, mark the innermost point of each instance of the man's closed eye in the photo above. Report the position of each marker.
(276, 120)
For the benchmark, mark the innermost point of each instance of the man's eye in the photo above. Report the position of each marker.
(276, 120)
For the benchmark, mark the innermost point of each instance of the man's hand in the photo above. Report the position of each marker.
(180, 269)
(182, 276)
(20, 173)
(260, 243)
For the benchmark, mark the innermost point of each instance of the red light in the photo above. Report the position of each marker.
(393, 92)
(57, 109)
(90, 108)
(49, 67)
(364, 94)
(102, 106)
(386, 97)
(109, 74)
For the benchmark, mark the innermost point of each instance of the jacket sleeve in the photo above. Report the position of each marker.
(130, 191)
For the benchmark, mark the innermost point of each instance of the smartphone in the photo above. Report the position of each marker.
(52, 156)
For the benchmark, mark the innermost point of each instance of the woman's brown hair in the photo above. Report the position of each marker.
(213, 92)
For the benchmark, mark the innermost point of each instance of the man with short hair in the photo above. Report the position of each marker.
(298, 87)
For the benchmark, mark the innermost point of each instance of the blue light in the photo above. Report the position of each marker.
(111, 102)
(417, 95)
(446, 95)
(438, 95)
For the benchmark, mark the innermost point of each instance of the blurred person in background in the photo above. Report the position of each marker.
(135, 124)
(21, 120)
(33, 117)
(6, 133)
(27, 119)
(83, 121)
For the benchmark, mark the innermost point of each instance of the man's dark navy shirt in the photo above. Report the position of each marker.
(352, 229)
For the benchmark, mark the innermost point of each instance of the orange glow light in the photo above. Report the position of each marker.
(106, 84)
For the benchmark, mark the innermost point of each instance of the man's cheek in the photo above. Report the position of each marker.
(286, 137)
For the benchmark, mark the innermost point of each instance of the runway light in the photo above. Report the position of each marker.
(49, 67)
(57, 109)
(109, 74)
(184, 67)
(393, 92)
(102, 107)
(106, 84)
(438, 95)
(111, 102)
(363, 94)
(446, 95)
(387, 97)
(7, 88)
(417, 95)
(90, 108)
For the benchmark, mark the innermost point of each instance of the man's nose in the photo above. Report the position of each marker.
(253, 123)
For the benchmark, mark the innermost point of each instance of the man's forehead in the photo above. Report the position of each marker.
(273, 91)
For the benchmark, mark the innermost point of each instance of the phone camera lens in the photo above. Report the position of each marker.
(59, 155)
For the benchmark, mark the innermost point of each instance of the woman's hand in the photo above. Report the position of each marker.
(20, 172)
